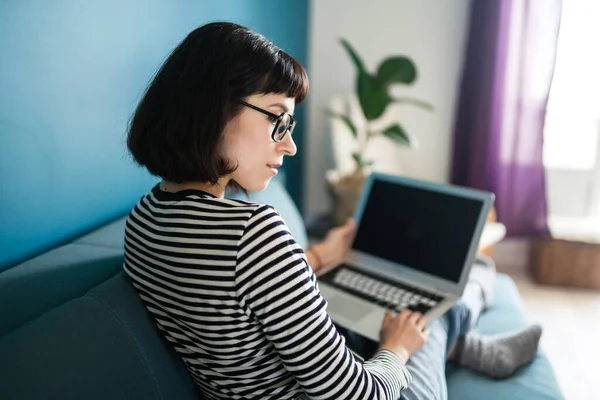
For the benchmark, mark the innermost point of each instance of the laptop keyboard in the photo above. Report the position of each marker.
(392, 295)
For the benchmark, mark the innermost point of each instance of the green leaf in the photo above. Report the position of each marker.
(397, 134)
(359, 160)
(355, 58)
(415, 102)
(396, 70)
(373, 97)
(347, 121)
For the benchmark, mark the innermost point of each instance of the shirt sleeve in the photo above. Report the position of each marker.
(274, 281)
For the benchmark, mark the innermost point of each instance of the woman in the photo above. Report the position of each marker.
(224, 280)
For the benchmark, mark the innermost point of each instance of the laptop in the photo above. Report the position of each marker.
(414, 246)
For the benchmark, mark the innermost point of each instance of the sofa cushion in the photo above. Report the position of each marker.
(162, 361)
(51, 279)
(532, 382)
(111, 235)
(102, 345)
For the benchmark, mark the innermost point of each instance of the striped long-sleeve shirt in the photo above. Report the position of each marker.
(233, 293)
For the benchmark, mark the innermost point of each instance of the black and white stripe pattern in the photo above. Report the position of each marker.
(232, 291)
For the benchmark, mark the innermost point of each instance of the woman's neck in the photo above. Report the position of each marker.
(217, 190)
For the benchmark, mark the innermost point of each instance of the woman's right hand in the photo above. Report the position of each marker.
(403, 334)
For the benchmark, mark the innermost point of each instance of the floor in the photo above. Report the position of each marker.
(571, 339)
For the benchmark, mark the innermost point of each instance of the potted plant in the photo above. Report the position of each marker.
(374, 97)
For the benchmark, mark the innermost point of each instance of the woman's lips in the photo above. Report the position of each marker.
(274, 167)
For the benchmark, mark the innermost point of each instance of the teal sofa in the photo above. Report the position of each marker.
(73, 327)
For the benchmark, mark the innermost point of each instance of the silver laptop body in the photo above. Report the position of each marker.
(415, 244)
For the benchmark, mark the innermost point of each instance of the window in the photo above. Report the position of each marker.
(571, 145)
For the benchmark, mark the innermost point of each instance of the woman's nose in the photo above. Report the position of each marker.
(288, 146)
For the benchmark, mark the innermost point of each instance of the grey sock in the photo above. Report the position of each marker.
(499, 356)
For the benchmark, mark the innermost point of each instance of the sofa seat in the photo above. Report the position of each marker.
(73, 327)
(532, 382)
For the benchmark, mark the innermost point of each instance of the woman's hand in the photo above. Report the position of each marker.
(333, 249)
(403, 334)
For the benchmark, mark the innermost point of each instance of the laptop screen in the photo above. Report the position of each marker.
(421, 229)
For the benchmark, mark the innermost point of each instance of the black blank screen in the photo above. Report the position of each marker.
(421, 229)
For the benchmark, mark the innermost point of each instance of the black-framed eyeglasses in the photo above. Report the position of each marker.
(284, 122)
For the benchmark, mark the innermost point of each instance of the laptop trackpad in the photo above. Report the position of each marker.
(348, 308)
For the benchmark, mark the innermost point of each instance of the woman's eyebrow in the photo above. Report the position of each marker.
(280, 105)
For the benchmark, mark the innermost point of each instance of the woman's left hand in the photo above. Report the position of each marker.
(334, 248)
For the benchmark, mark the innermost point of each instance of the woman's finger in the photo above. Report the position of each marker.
(387, 318)
(349, 226)
(422, 322)
(404, 314)
(414, 317)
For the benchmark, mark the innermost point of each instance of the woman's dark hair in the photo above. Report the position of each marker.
(176, 129)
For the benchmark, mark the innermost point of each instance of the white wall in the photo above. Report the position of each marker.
(433, 33)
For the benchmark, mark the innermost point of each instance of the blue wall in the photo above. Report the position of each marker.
(71, 72)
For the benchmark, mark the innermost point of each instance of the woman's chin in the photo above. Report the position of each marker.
(257, 186)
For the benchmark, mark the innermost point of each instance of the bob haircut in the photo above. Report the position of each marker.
(177, 127)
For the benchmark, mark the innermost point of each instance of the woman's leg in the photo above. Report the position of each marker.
(428, 366)
(463, 316)
(476, 298)
(497, 356)
(460, 319)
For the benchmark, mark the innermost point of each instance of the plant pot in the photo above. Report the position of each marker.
(345, 190)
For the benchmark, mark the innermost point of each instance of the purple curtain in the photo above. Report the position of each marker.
(498, 135)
